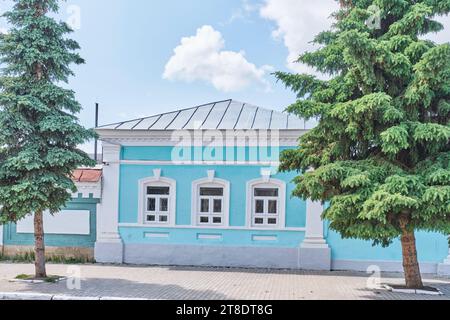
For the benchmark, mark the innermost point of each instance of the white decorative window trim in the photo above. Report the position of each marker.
(157, 181)
(266, 182)
(210, 182)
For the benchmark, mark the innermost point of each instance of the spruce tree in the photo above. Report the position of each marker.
(39, 130)
(380, 153)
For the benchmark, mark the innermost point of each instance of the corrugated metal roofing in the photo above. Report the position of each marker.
(221, 115)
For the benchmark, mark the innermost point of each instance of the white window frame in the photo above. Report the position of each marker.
(157, 181)
(196, 202)
(266, 184)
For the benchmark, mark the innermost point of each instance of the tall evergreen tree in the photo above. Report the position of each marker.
(39, 130)
(380, 152)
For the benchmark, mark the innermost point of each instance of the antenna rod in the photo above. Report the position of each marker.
(96, 140)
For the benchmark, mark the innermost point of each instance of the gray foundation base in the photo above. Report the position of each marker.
(315, 259)
(243, 257)
(109, 252)
(246, 257)
(444, 269)
(385, 266)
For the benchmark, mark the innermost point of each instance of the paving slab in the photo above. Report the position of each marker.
(112, 282)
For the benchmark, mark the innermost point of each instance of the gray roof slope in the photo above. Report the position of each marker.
(221, 115)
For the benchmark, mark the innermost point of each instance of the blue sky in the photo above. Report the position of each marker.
(147, 57)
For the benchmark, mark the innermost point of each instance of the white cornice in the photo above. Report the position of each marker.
(166, 138)
(88, 188)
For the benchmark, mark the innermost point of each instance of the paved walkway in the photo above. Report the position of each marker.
(209, 283)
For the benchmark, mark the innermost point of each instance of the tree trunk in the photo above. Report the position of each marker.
(410, 262)
(39, 260)
(39, 245)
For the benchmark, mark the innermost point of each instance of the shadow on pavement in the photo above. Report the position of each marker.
(124, 289)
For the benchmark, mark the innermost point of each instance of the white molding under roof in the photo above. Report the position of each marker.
(175, 138)
(221, 115)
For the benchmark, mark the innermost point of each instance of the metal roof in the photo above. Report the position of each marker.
(221, 115)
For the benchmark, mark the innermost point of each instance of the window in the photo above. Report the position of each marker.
(157, 200)
(211, 206)
(210, 202)
(266, 204)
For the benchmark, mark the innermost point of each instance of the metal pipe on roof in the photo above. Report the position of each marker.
(96, 140)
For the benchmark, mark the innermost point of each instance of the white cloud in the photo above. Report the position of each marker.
(298, 21)
(201, 57)
(244, 12)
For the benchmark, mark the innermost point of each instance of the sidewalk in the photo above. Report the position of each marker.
(209, 283)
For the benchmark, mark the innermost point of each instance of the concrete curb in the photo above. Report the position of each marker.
(50, 297)
(412, 291)
(24, 296)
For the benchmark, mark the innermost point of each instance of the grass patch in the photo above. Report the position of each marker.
(29, 257)
(53, 279)
(48, 279)
(69, 260)
(23, 277)
(22, 257)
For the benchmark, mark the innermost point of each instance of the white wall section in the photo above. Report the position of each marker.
(70, 222)
(109, 247)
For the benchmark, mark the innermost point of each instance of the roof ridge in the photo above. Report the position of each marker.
(118, 124)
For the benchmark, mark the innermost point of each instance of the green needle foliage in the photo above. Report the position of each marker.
(39, 130)
(381, 150)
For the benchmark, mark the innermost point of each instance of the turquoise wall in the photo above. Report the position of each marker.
(237, 175)
(431, 247)
(237, 238)
(202, 153)
(11, 237)
(185, 175)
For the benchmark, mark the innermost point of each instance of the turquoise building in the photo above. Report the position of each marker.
(200, 187)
